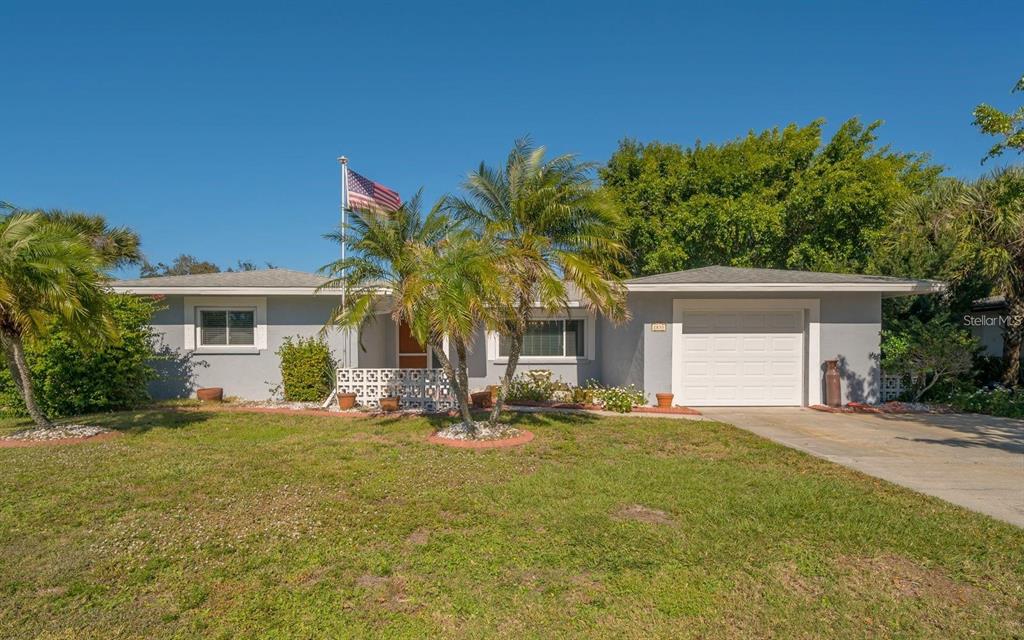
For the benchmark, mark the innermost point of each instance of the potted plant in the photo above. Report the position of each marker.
(346, 401)
(389, 403)
(210, 394)
(664, 400)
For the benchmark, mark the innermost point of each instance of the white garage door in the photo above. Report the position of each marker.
(743, 357)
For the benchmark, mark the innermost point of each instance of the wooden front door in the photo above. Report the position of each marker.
(411, 354)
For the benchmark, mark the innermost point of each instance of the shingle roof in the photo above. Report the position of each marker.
(242, 279)
(736, 275)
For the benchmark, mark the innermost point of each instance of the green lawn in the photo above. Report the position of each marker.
(245, 525)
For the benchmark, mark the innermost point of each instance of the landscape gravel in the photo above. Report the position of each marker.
(484, 431)
(59, 432)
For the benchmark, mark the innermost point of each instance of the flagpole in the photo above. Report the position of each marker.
(344, 230)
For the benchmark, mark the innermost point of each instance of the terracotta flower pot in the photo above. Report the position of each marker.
(482, 399)
(210, 394)
(389, 404)
(346, 401)
(664, 400)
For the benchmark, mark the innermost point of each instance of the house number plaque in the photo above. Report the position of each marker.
(658, 326)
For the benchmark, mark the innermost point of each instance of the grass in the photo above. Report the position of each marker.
(274, 526)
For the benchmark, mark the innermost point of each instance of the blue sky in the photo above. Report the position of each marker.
(213, 128)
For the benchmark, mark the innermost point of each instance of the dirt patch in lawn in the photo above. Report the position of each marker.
(793, 581)
(640, 513)
(901, 577)
(386, 591)
(418, 537)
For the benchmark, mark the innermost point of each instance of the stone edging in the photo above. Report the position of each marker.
(522, 438)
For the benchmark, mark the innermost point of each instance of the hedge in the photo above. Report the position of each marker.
(307, 369)
(69, 380)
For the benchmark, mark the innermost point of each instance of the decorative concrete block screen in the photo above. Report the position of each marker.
(892, 387)
(426, 389)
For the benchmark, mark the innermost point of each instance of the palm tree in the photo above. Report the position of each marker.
(49, 273)
(425, 272)
(116, 246)
(971, 234)
(555, 228)
(992, 224)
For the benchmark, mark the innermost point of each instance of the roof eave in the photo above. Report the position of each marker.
(232, 291)
(225, 291)
(889, 289)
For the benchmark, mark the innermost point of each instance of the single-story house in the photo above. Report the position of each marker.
(711, 336)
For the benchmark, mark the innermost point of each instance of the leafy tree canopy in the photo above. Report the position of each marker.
(1006, 125)
(186, 264)
(781, 198)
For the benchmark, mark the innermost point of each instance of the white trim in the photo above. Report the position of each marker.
(812, 317)
(192, 304)
(895, 287)
(574, 313)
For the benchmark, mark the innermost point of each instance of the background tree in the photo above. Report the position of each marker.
(991, 228)
(928, 353)
(970, 235)
(249, 265)
(1002, 124)
(183, 265)
(555, 230)
(49, 272)
(781, 198)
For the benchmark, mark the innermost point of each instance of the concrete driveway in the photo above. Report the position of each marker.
(970, 460)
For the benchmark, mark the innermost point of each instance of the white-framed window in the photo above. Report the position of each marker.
(225, 324)
(226, 327)
(551, 338)
(564, 338)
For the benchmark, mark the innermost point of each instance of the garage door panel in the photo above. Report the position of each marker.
(737, 358)
(694, 344)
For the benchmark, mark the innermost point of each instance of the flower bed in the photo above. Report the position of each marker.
(894, 407)
(551, 404)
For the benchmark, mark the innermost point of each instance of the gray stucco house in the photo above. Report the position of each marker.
(711, 336)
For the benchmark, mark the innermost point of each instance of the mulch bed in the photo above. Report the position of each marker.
(522, 438)
(685, 411)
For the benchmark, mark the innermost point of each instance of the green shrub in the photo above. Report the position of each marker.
(537, 385)
(618, 399)
(933, 356)
(580, 395)
(69, 380)
(307, 369)
(1008, 403)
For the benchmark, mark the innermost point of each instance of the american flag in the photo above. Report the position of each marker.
(364, 193)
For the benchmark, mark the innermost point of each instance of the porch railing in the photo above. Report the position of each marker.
(426, 389)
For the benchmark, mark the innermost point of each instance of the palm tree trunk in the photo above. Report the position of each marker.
(1013, 340)
(15, 352)
(458, 380)
(515, 349)
(11, 368)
